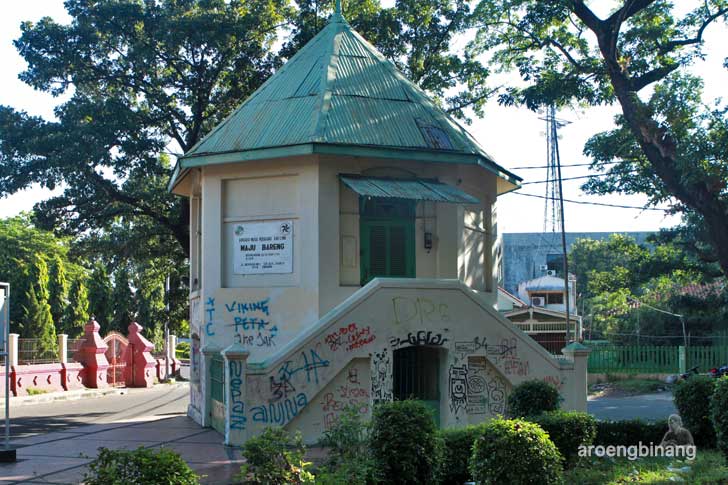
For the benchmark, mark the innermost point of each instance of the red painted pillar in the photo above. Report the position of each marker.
(92, 356)
(140, 364)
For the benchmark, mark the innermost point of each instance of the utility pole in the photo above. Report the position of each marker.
(166, 329)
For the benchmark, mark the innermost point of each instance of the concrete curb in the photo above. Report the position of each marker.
(79, 394)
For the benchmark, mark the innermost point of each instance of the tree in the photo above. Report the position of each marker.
(123, 301)
(100, 295)
(144, 74)
(667, 145)
(76, 313)
(57, 289)
(38, 321)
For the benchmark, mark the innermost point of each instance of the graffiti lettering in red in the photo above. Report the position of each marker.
(350, 337)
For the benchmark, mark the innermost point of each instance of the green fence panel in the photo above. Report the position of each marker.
(649, 359)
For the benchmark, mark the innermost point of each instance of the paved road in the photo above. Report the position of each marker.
(649, 407)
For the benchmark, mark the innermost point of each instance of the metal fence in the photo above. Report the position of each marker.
(646, 359)
(73, 345)
(31, 352)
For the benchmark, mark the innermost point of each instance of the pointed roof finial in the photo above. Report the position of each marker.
(337, 17)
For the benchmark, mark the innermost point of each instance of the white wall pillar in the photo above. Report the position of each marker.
(13, 348)
(577, 388)
(236, 359)
(208, 351)
(63, 348)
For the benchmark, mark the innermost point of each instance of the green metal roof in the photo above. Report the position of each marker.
(339, 92)
(413, 189)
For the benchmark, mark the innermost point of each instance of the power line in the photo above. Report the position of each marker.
(533, 167)
(564, 178)
(602, 204)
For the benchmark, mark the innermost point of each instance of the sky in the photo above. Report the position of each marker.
(514, 137)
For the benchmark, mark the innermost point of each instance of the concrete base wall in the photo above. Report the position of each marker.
(347, 358)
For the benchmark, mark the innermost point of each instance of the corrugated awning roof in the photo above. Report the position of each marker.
(414, 189)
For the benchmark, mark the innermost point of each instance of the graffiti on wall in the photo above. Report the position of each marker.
(333, 403)
(237, 403)
(279, 412)
(350, 337)
(307, 362)
(477, 400)
(209, 316)
(505, 355)
(458, 388)
(251, 322)
(381, 372)
(420, 311)
(421, 337)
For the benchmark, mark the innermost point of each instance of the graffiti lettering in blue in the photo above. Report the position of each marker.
(245, 323)
(243, 308)
(237, 403)
(279, 412)
(210, 312)
(310, 364)
(258, 340)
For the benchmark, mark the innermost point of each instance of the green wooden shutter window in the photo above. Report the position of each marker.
(387, 248)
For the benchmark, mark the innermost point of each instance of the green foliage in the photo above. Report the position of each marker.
(719, 414)
(183, 350)
(76, 313)
(100, 295)
(514, 451)
(142, 466)
(57, 289)
(629, 432)
(349, 457)
(692, 399)
(457, 450)
(123, 299)
(404, 443)
(531, 398)
(34, 391)
(568, 430)
(275, 458)
(667, 144)
(37, 318)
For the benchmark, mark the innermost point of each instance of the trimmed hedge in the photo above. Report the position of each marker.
(692, 399)
(719, 414)
(515, 451)
(532, 398)
(568, 430)
(457, 450)
(405, 443)
(629, 432)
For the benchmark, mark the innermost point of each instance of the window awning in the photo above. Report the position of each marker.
(414, 189)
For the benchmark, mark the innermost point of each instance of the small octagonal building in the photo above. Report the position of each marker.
(343, 253)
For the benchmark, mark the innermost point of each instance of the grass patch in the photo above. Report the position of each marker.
(33, 391)
(629, 387)
(709, 467)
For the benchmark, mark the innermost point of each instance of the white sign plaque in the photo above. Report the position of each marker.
(263, 247)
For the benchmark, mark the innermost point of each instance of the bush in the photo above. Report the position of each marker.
(405, 443)
(532, 398)
(516, 452)
(692, 399)
(568, 430)
(629, 432)
(457, 449)
(275, 458)
(183, 350)
(349, 458)
(141, 466)
(719, 414)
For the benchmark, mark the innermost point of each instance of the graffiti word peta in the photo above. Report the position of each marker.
(420, 338)
(237, 408)
(309, 363)
(280, 412)
(350, 337)
(210, 313)
(242, 308)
